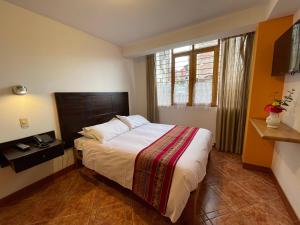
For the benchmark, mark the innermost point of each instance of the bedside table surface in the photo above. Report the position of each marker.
(13, 153)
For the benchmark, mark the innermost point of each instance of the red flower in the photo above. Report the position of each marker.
(274, 109)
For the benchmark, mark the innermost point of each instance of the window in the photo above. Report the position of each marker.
(181, 79)
(207, 44)
(204, 78)
(182, 49)
(163, 77)
(188, 75)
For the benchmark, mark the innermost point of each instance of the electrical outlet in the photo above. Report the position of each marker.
(24, 123)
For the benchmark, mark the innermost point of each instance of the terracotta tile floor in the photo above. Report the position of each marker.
(230, 196)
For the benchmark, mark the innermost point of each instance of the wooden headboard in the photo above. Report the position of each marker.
(78, 110)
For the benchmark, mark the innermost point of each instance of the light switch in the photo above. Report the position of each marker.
(24, 123)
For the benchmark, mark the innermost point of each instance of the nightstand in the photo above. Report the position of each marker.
(22, 160)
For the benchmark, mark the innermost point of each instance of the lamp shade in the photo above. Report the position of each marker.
(19, 90)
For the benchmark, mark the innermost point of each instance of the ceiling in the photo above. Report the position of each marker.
(126, 21)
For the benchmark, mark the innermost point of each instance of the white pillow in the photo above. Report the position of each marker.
(106, 131)
(133, 121)
(85, 134)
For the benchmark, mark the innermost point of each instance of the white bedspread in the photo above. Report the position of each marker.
(115, 160)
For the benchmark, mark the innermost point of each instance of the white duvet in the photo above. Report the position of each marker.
(115, 160)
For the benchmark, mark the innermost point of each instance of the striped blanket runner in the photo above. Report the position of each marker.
(155, 165)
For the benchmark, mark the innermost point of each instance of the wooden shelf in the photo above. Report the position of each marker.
(282, 133)
(21, 160)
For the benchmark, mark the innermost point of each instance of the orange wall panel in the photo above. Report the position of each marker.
(263, 89)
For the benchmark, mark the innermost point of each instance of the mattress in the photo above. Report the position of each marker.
(115, 160)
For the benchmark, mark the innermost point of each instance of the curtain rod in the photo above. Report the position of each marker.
(238, 35)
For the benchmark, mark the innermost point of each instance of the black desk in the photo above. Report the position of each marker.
(20, 160)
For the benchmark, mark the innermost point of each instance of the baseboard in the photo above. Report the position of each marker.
(285, 200)
(249, 166)
(26, 191)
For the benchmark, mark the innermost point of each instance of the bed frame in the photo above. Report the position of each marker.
(77, 110)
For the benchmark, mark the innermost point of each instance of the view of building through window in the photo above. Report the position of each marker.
(204, 78)
(181, 84)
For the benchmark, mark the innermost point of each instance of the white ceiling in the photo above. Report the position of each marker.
(126, 21)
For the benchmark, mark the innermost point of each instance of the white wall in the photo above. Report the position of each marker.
(286, 158)
(47, 56)
(204, 117)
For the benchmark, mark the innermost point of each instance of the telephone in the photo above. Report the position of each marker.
(43, 140)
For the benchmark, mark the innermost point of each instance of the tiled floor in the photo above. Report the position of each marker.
(230, 196)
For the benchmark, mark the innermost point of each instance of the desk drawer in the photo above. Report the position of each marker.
(39, 157)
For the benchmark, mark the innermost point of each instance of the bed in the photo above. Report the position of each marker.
(115, 159)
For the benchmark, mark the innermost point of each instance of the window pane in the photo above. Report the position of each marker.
(163, 77)
(206, 44)
(204, 78)
(182, 49)
(181, 87)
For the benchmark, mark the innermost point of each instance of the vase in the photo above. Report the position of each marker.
(273, 120)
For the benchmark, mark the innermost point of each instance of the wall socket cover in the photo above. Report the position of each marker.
(24, 122)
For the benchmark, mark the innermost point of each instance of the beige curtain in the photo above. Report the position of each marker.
(152, 109)
(236, 54)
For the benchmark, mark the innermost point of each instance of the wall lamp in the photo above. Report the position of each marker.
(19, 90)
